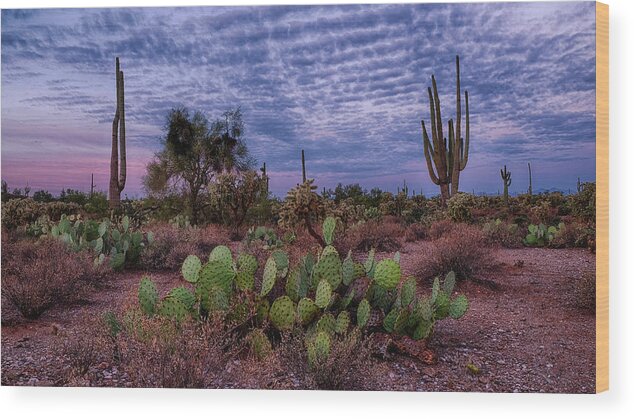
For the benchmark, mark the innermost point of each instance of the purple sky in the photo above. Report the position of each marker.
(345, 83)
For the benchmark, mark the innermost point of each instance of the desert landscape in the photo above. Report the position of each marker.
(225, 255)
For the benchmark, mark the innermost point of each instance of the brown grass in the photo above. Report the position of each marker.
(462, 250)
(350, 365)
(172, 245)
(440, 228)
(39, 275)
(415, 232)
(383, 235)
(585, 291)
(159, 353)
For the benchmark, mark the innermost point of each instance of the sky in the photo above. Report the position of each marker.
(348, 84)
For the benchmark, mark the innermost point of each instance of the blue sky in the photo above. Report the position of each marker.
(346, 83)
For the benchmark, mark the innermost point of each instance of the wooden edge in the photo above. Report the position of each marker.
(602, 199)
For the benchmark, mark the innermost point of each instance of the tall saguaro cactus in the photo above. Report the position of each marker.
(506, 178)
(117, 177)
(303, 168)
(530, 182)
(448, 156)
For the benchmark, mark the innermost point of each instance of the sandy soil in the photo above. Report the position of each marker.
(525, 336)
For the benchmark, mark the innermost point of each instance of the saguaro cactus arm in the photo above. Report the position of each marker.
(429, 151)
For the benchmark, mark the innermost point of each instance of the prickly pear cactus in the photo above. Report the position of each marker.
(262, 311)
(343, 321)
(318, 350)
(190, 269)
(307, 310)
(282, 313)
(222, 254)
(422, 330)
(435, 290)
(212, 285)
(449, 283)
(329, 268)
(148, 296)
(184, 295)
(329, 229)
(458, 307)
(322, 345)
(347, 270)
(247, 263)
(363, 313)
(323, 294)
(292, 285)
(259, 344)
(173, 308)
(424, 307)
(327, 323)
(218, 273)
(390, 319)
(281, 262)
(400, 323)
(408, 291)
(387, 274)
(245, 280)
(269, 276)
(441, 306)
(368, 265)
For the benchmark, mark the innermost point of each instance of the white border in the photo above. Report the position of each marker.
(115, 403)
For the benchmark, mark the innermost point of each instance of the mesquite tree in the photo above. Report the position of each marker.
(196, 150)
(446, 158)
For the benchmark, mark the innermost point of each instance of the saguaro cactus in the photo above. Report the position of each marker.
(530, 181)
(117, 178)
(303, 168)
(266, 180)
(506, 178)
(448, 157)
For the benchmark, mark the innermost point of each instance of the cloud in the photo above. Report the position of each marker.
(346, 83)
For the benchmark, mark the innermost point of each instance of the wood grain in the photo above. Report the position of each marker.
(602, 156)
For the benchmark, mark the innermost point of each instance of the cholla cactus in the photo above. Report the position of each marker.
(302, 208)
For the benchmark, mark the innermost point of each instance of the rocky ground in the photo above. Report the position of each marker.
(524, 335)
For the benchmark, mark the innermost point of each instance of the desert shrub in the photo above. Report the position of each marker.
(585, 291)
(415, 232)
(574, 234)
(440, 228)
(171, 245)
(156, 352)
(383, 236)
(234, 195)
(462, 250)
(349, 366)
(541, 213)
(459, 207)
(504, 234)
(20, 212)
(583, 204)
(39, 275)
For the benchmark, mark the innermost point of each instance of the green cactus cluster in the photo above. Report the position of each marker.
(118, 242)
(540, 235)
(323, 295)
